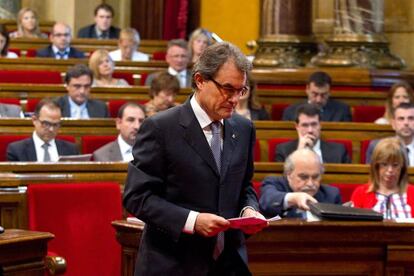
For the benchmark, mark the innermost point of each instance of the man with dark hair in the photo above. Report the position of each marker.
(163, 90)
(289, 195)
(403, 124)
(60, 48)
(76, 104)
(130, 118)
(102, 29)
(42, 146)
(192, 171)
(318, 92)
(308, 127)
(177, 58)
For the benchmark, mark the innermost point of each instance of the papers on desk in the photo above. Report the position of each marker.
(237, 223)
(404, 220)
(134, 220)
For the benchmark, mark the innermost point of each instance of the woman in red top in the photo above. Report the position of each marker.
(388, 191)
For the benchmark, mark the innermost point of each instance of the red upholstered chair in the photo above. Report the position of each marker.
(366, 113)
(14, 101)
(90, 143)
(277, 111)
(129, 77)
(257, 151)
(346, 143)
(16, 51)
(257, 185)
(31, 104)
(30, 76)
(31, 53)
(346, 190)
(160, 55)
(5, 140)
(80, 216)
(273, 145)
(143, 78)
(115, 105)
(364, 147)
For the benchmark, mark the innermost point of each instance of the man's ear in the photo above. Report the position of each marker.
(199, 80)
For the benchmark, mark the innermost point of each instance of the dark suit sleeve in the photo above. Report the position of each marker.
(44, 52)
(271, 199)
(146, 183)
(85, 32)
(288, 113)
(279, 155)
(347, 114)
(12, 153)
(345, 159)
(370, 149)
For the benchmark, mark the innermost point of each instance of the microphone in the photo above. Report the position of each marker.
(1, 229)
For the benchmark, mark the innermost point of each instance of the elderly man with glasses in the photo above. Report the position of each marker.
(43, 145)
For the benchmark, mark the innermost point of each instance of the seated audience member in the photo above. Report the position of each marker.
(177, 58)
(102, 67)
(10, 111)
(128, 44)
(102, 29)
(400, 92)
(27, 25)
(403, 125)
(318, 92)
(308, 127)
(248, 106)
(388, 191)
(199, 40)
(4, 44)
(60, 48)
(42, 146)
(130, 118)
(163, 90)
(77, 104)
(288, 195)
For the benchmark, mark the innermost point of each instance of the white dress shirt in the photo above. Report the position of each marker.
(40, 152)
(78, 111)
(56, 50)
(411, 153)
(181, 76)
(136, 56)
(125, 148)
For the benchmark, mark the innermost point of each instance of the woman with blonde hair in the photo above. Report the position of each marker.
(27, 25)
(199, 40)
(388, 191)
(102, 67)
(400, 92)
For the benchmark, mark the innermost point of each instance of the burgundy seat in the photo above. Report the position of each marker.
(30, 76)
(277, 111)
(272, 145)
(366, 113)
(90, 143)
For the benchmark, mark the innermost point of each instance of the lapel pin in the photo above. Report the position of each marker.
(233, 136)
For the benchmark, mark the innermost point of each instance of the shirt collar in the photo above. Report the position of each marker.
(123, 146)
(202, 117)
(75, 105)
(39, 142)
(173, 72)
(56, 50)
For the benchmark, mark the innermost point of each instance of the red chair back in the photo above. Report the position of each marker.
(31, 104)
(115, 105)
(31, 53)
(16, 51)
(257, 151)
(160, 55)
(14, 101)
(346, 143)
(5, 140)
(257, 185)
(277, 111)
(80, 216)
(366, 113)
(345, 190)
(90, 143)
(273, 145)
(364, 147)
(30, 76)
(129, 77)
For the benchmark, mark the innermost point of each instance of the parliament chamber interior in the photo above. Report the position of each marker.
(67, 218)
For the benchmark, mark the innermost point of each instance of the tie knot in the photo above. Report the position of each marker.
(45, 145)
(216, 127)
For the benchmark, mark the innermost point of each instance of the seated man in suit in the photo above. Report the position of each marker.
(308, 127)
(60, 48)
(318, 92)
(102, 29)
(177, 58)
(10, 111)
(288, 195)
(128, 44)
(402, 122)
(130, 118)
(76, 104)
(42, 146)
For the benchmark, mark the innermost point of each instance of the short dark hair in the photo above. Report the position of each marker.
(77, 71)
(105, 7)
(403, 106)
(5, 34)
(128, 104)
(164, 81)
(320, 79)
(215, 56)
(49, 102)
(307, 109)
(177, 42)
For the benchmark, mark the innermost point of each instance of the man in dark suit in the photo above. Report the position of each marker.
(177, 58)
(403, 124)
(288, 196)
(130, 118)
(318, 92)
(60, 48)
(102, 29)
(192, 171)
(76, 104)
(308, 127)
(42, 146)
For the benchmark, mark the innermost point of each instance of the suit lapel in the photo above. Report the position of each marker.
(229, 144)
(115, 151)
(30, 150)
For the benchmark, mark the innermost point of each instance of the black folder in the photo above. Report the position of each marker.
(338, 212)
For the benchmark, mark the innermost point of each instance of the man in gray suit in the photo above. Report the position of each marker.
(77, 104)
(130, 118)
(177, 58)
(10, 110)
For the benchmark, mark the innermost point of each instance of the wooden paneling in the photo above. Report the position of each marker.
(147, 18)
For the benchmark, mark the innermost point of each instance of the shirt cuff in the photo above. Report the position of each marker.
(190, 222)
(286, 200)
(244, 209)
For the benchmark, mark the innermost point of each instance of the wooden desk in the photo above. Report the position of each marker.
(293, 247)
(22, 252)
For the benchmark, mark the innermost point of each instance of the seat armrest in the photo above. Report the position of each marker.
(55, 264)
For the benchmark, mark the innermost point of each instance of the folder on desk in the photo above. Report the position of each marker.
(338, 212)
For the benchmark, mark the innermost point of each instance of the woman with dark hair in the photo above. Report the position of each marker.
(4, 44)
(248, 106)
(388, 191)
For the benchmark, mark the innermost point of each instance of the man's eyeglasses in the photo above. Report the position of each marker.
(47, 124)
(230, 90)
(61, 34)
